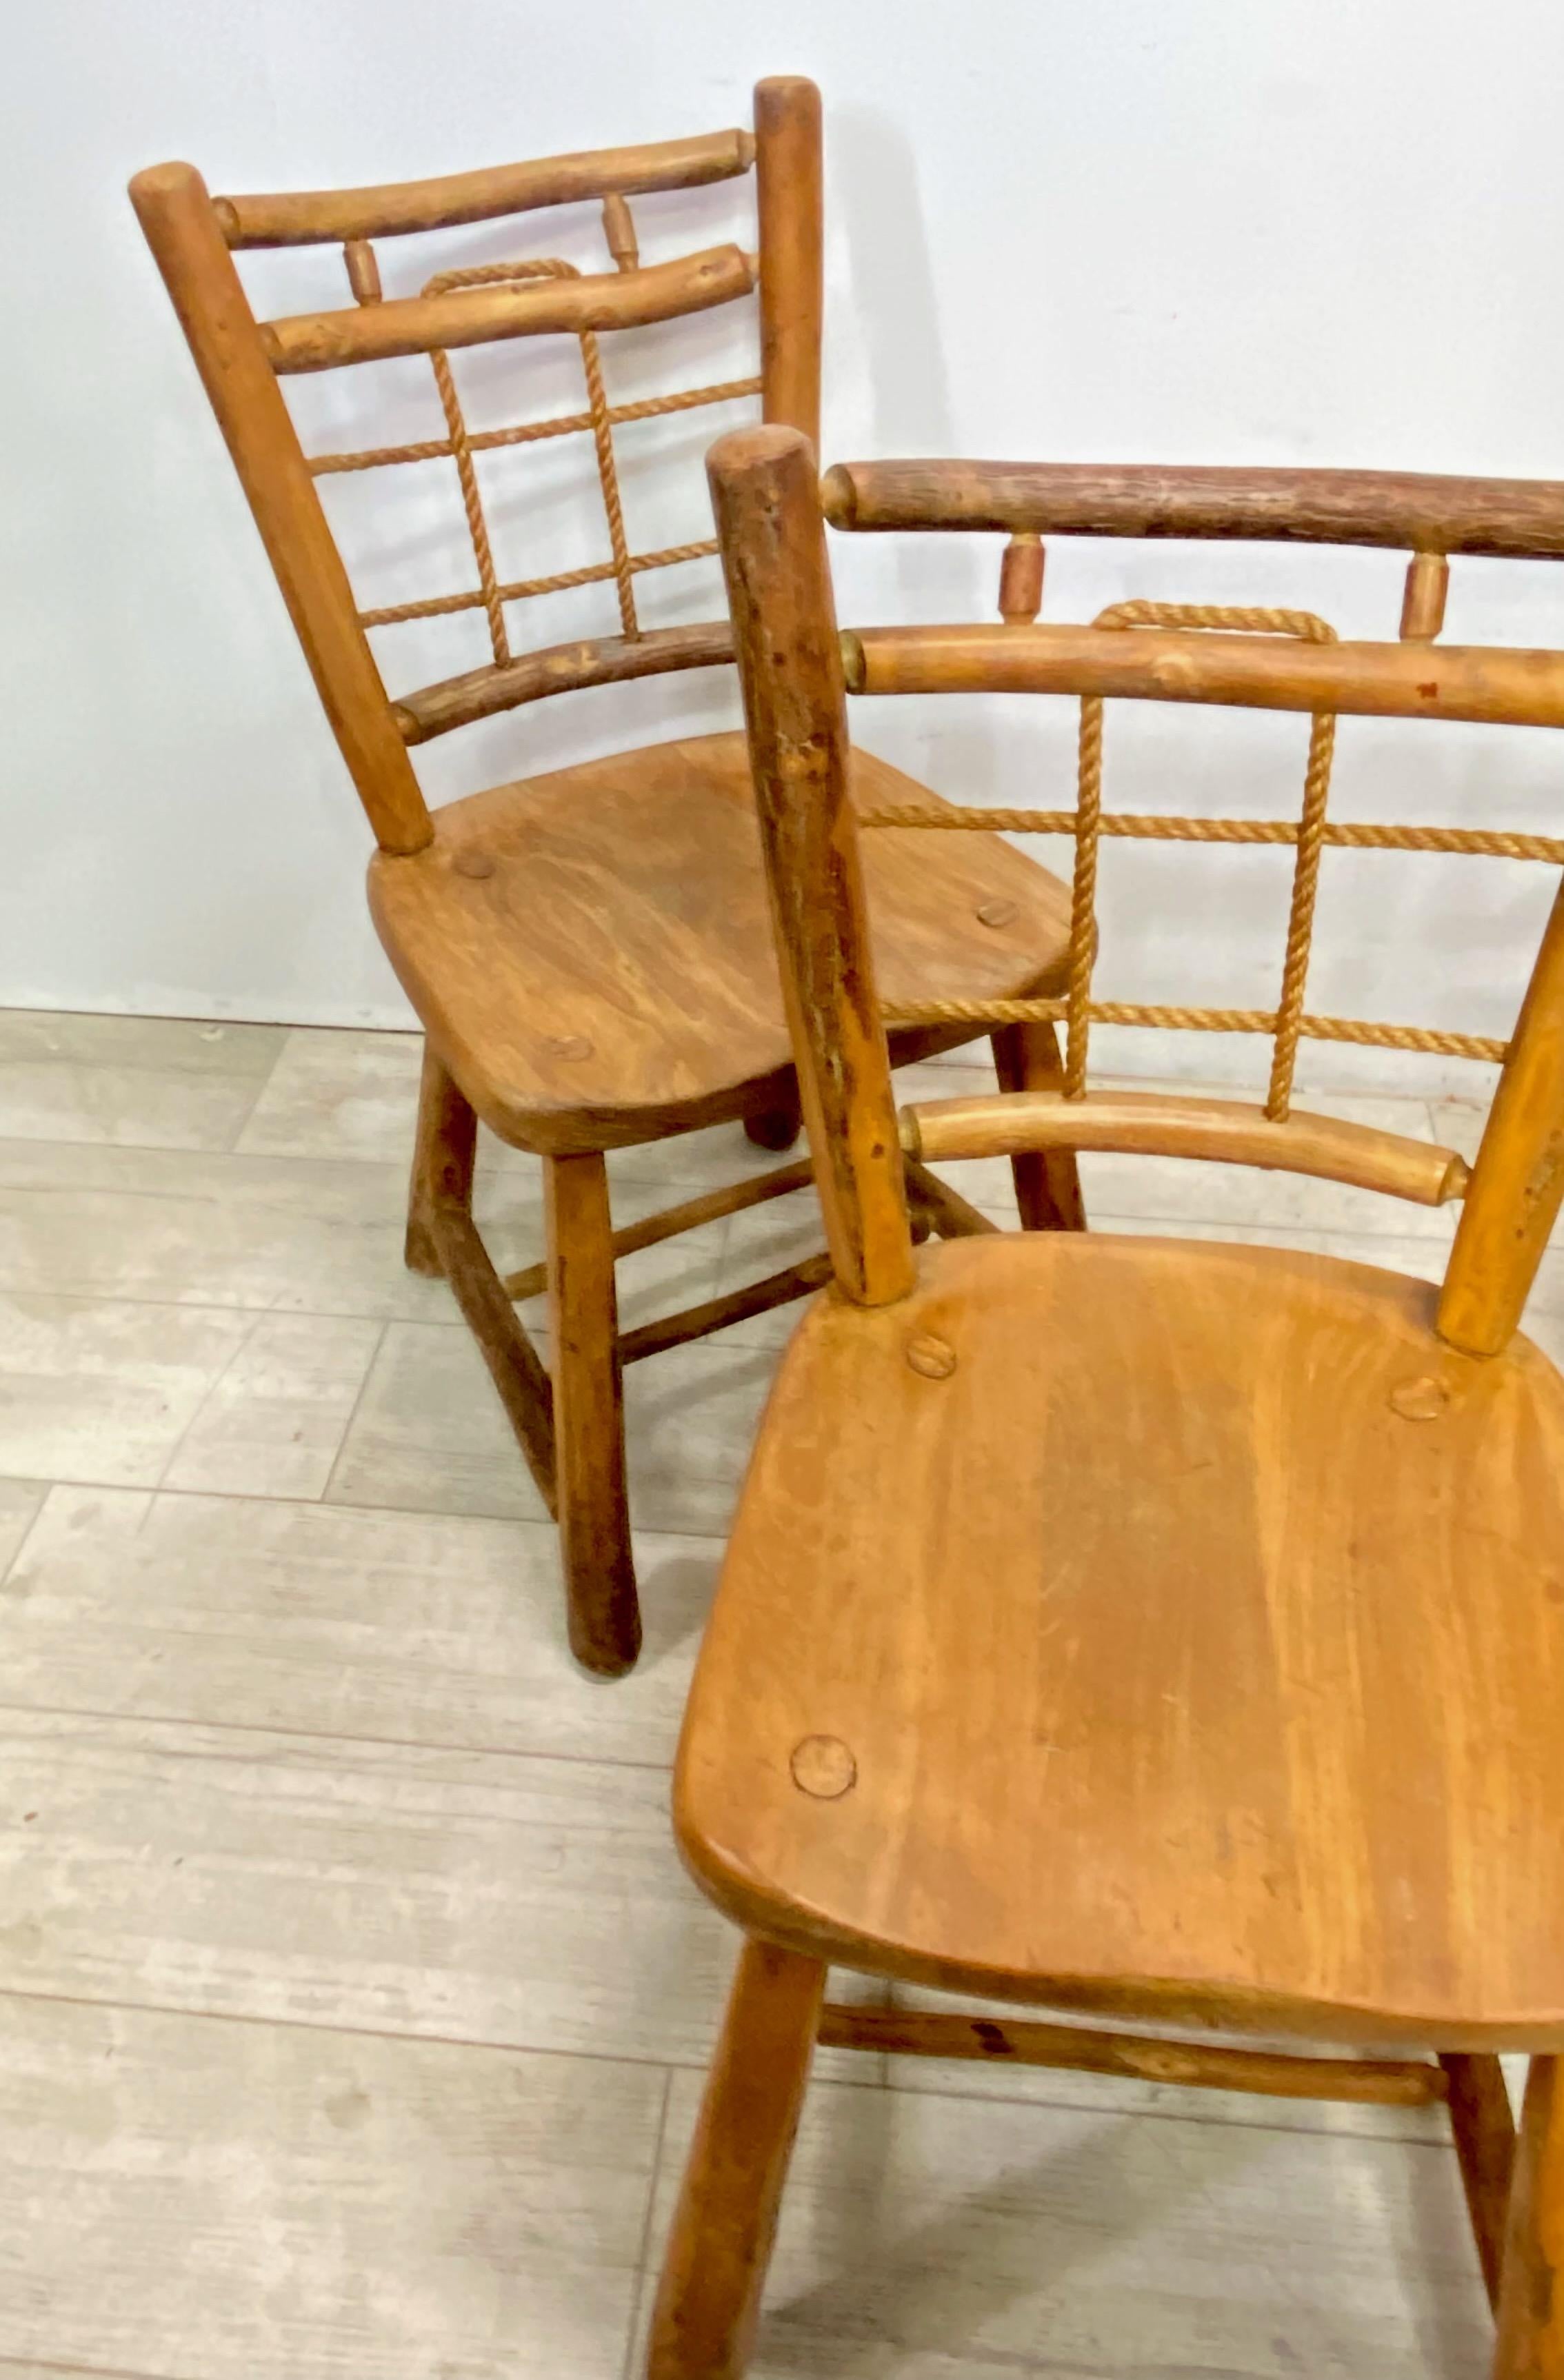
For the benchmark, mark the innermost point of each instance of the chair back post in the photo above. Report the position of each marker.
(773, 543)
(789, 193)
(1517, 1183)
(182, 230)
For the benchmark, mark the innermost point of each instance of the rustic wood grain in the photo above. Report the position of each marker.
(779, 595)
(1488, 683)
(1169, 1124)
(655, 857)
(708, 2301)
(287, 219)
(1274, 1462)
(1422, 511)
(1531, 2340)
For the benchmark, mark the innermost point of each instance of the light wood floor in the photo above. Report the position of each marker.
(352, 2002)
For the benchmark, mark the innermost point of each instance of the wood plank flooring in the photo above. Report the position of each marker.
(353, 2003)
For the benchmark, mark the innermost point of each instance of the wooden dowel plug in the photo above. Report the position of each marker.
(1422, 605)
(1020, 580)
(618, 230)
(364, 271)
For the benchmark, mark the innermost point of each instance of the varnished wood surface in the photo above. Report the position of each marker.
(1168, 1124)
(1531, 2340)
(1483, 2127)
(625, 909)
(1518, 1182)
(466, 317)
(588, 1427)
(1420, 510)
(174, 213)
(289, 218)
(1193, 2065)
(1490, 684)
(802, 767)
(558, 669)
(1196, 1631)
(708, 2300)
(790, 196)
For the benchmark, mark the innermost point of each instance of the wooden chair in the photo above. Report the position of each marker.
(1136, 1628)
(587, 950)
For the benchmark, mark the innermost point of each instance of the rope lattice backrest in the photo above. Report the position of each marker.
(1289, 1021)
(599, 418)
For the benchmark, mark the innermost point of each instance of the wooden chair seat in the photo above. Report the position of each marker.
(591, 952)
(1158, 1626)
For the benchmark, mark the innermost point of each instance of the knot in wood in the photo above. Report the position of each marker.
(823, 1767)
(1423, 1399)
(934, 1358)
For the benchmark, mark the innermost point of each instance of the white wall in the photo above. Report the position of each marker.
(1307, 231)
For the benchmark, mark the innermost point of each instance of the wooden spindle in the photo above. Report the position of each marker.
(364, 271)
(1422, 605)
(618, 230)
(1020, 580)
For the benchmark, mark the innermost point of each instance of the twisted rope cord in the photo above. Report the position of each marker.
(1083, 894)
(1468, 842)
(1088, 829)
(602, 440)
(472, 277)
(462, 445)
(559, 425)
(434, 607)
(1301, 913)
(1198, 1020)
(1288, 1023)
(472, 505)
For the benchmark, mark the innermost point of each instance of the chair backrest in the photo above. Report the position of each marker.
(242, 362)
(796, 673)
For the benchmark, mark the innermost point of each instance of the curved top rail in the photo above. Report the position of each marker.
(1418, 511)
(1168, 1124)
(295, 218)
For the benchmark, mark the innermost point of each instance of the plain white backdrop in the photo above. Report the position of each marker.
(1314, 231)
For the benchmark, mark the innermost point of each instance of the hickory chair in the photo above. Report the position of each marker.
(587, 951)
(1141, 1628)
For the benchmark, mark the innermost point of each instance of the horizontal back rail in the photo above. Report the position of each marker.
(559, 669)
(298, 218)
(1011, 1123)
(466, 317)
(1423, 512)
(1495, 684)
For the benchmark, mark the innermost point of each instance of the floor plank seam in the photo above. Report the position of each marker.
(884, 2089)
(333, 1735)
(324, 1496)
(643, 2253)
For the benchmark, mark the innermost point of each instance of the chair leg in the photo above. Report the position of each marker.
(1485, 2139)
(1531, 2311)
(776, 1127)
(708, 2303)
(1026, 1058)
(589, 1424)
(442, 1171)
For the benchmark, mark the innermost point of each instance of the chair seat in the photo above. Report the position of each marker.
(591, 953)
(1192, 1647)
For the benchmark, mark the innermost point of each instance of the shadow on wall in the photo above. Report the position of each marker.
(897, 306)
